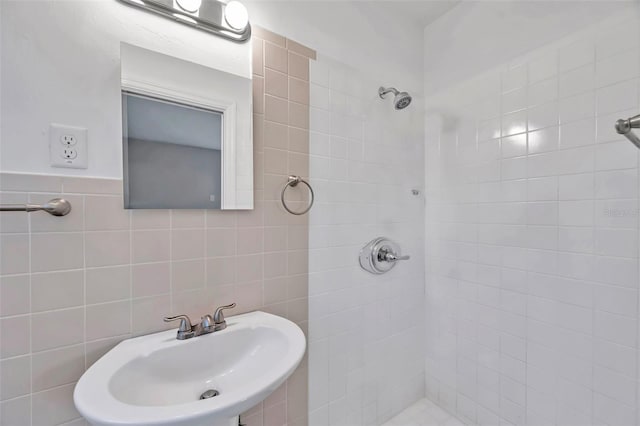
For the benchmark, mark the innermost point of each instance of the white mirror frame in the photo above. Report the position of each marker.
(153, 74)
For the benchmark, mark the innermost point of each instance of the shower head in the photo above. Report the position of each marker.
(401, 99)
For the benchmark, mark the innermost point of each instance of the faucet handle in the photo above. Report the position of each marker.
(392, 257)
(388, 253)
(218, 317)
(185, 322)
(206, 321)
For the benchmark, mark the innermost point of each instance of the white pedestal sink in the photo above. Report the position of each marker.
(158, 380)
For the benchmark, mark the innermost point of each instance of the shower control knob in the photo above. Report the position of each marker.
(388, 256)
(380, 255)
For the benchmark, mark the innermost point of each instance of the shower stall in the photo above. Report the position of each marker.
(528, 198)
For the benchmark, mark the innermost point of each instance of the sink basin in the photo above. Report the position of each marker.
(158, 380)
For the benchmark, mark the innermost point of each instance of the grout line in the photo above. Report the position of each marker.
(84, 279)
(595, 215)
(29, 221)
(130, 274)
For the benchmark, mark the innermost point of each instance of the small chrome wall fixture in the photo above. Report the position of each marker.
(401, 99)
(624, 127)
(55, 207)
(380, 255)
(292, 182)
(227, 20)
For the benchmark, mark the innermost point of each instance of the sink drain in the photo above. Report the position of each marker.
(209, 394)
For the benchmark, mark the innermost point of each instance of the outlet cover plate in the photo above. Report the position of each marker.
(68, 146)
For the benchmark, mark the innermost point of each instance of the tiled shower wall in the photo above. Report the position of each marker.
(72, 287)
(366, 359)
(532, 237)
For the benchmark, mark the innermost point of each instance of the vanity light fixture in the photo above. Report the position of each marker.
(185, 18)
(191, 6)
(227, 20)
(236, 15)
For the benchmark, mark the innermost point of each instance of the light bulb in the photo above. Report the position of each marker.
(236, 15)
(191, 6)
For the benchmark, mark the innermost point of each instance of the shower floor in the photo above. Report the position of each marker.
(424, 413)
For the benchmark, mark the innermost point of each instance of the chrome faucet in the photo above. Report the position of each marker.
(208, 324)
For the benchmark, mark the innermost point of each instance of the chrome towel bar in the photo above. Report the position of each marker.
(293, 181)
(55, 207)
(624, 127)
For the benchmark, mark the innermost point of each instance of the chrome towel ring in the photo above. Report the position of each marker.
(293, 181)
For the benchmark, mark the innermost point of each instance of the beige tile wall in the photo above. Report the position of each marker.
(72, 287)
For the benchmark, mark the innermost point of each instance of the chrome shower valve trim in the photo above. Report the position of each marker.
(380, 255)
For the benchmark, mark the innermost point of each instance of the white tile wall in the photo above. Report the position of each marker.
(365, 331)
(532, 237)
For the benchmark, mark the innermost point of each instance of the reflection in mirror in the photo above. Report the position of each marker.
(172, 154)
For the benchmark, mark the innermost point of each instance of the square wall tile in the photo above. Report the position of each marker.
(299, 91)
(58, 367)
(15, 374)
(275, 83)
(188, 275)
(105, 213)
(298, 66)
(276, 109)
(14, 254)
(14, 222)
(57, 251)
(14, 336)
(108, 284)
(14, 295)
(54, 406)
(15, 411)
(150, 246)
(56, 290)
(275, 57)
(150, 279)
(107, 248)
(55, 329)
(108, 320)
(187, 244)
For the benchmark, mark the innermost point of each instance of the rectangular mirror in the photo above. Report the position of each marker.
(187, 137)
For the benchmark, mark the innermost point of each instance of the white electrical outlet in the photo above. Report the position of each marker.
(68, 146)
(68, 140)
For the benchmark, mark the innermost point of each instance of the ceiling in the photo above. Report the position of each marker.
(415, 12)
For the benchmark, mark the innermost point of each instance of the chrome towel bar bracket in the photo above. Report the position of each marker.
(55, 207)
(293, 181)
(625, 127)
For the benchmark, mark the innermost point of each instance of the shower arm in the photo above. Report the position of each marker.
(625, 127)
(382, 91)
